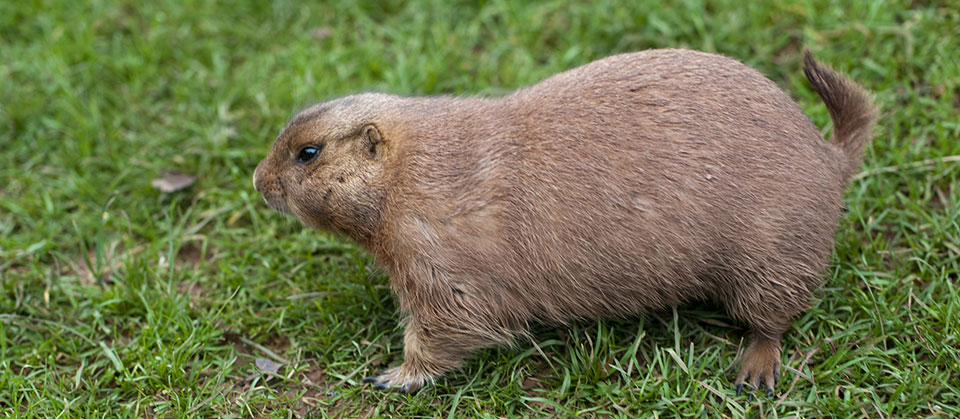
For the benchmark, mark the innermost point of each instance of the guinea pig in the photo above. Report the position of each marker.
(637, 182)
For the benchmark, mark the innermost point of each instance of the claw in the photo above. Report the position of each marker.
(750, 396)
(394, 381)
(739, 387)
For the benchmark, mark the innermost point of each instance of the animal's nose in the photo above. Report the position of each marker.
(255, 183)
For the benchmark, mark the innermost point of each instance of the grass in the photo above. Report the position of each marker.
(119, 300)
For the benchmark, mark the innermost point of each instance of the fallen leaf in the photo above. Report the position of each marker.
(267, 365)
(322, 32)
(173, 181)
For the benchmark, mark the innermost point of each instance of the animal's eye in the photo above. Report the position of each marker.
(308, 153)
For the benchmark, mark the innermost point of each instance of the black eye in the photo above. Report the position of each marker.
(307, 154)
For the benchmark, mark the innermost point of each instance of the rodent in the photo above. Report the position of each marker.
(636, 182)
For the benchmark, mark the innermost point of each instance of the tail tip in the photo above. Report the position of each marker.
(808, 60)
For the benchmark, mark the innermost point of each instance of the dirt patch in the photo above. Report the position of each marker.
(193, 289)
(307, 393)
(316, 376)
(942, 199)
(278, 344)
(249, 350)
(534, 381)
(530, 383)
(14, 271)
(235, 340)
(192, 255)
(315, 380)
(544, 407)
(90, 271)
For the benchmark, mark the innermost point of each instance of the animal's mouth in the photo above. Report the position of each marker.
(272, 191)
(277, 199)
(278, 204)
(273, 194)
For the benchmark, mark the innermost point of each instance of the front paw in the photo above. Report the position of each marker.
(398, 380)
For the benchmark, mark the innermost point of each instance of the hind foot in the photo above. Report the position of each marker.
(760, 365)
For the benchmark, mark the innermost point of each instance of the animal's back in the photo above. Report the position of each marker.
(647, 179)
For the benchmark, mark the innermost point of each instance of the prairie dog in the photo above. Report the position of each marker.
(636, 182)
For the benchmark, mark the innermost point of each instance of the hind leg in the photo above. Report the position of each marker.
(768, 308)
(760, 365)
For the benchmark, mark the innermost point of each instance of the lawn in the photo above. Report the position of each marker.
(120, 300)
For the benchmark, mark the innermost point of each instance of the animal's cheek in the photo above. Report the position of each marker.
(303, 179)
(305, 186)
(321, 196)
(326, 195)
(269, 188)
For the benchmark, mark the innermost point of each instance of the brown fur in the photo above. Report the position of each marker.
(636, 182)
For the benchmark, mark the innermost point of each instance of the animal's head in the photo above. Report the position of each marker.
(324, 166)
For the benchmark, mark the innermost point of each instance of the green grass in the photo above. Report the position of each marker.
(119, 300)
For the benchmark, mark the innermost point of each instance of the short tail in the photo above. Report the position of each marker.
(851, 109)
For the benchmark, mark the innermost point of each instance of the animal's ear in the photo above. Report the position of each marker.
(371, 136)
